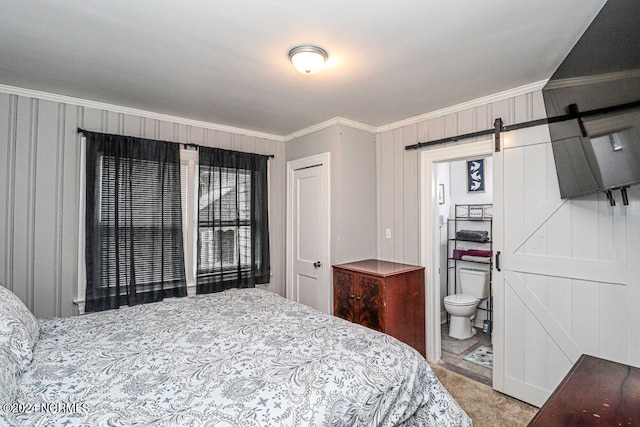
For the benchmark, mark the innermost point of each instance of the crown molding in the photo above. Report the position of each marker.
(532, 87)
(500, 96)
(327, 124)
(12, 90)
(589, 80)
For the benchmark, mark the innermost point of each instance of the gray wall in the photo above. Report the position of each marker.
(570, 266)
(398, 172)
(353, 187)
(39, 191)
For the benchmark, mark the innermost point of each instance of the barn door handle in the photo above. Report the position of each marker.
(317, 264)
(498, 261)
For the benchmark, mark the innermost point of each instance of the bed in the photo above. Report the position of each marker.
(243, 357)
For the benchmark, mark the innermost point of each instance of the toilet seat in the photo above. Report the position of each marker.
(461, 300)
(461, 309)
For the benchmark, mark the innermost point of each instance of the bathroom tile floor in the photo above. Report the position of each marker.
(456, 363)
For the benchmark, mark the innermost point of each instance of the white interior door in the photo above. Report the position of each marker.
(309, 277)
(565, 272)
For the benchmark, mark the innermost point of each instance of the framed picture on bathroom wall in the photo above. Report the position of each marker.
(475, 176)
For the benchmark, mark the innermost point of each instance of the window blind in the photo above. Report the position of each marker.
(134, 249)
(233, 230)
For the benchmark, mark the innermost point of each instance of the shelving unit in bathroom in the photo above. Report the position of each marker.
(473, 217)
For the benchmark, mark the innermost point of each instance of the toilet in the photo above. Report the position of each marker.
(474, 287)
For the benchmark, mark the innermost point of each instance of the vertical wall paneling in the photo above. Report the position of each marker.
(58, 209)
(8, 129)
(70, 197)
(142, 125)
(279, 201)
(465, 121)
(41, 209)
(164, 131)
(411, 243)
(236, 142)
(397, 225)
(386, 202)
(120, 120)
(197, 135)
(379, 226)
(482, 118)
(572, 282)
(224, 140)
(129, 125)
(5, 172)
(180, 132)
(151, 128)
(40, 193)
(112, 125)
(31, 202)
(208, 137)
(398, 181)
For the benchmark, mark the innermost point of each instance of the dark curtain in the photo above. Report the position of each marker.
(134, 249)
(233, 223)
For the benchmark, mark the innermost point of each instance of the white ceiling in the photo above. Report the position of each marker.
(225, 62)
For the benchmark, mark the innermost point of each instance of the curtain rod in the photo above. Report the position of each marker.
(186, 145)
(574, 114)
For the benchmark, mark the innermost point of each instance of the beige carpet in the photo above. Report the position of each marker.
(485, 406)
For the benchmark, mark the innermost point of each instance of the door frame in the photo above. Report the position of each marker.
(324, 160)
(430, 233)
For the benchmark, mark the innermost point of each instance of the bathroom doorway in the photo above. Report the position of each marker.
(465, 223)
(437, 203)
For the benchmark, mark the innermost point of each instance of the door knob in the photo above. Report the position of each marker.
(317, 264)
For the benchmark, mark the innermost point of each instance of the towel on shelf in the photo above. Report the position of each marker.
(478, 252)
(473, 235)
(476, 258)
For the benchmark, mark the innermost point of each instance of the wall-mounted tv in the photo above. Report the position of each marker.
(599, 152)
(607, 158)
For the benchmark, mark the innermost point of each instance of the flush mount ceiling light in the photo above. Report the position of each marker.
(308, 59)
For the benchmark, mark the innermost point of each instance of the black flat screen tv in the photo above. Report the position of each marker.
(599, 152)
(607, 158)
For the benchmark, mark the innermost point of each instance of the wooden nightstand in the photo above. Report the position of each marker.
(385, 296)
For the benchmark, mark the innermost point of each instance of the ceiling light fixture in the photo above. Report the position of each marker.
(308, 59)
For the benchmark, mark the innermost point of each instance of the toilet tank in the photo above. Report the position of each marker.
(474, 282)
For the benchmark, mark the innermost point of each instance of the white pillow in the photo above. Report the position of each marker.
(19, 329)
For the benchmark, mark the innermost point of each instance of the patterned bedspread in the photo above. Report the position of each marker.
(237, 358)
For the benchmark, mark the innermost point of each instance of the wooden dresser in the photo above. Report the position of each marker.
(385, 296)
(595, 392)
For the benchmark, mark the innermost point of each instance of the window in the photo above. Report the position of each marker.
(217, 248)
(233, 233)
(133, 228)
(138, 228)
(153, 209)
(224, 237)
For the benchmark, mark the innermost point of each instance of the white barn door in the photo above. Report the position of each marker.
(565, 278)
